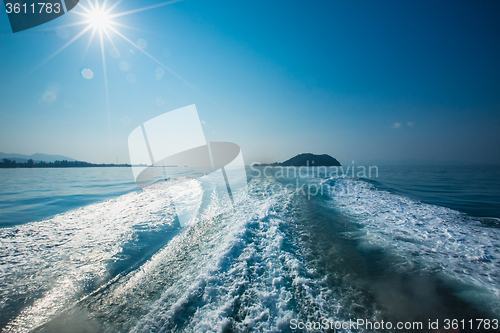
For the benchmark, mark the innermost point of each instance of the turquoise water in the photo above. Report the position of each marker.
(28, 195)
(86, 250)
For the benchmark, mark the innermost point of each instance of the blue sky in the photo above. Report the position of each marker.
(360, 80)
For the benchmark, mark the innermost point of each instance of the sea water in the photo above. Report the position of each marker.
(85, 250)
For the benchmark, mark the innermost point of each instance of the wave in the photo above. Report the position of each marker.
(250, 275)
(48, 265)
(429, 238)
(127, 265)
(245, 268)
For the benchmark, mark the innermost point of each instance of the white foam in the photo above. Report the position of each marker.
(51, 260)
(245, 268)
(251, 274)
(434, 238)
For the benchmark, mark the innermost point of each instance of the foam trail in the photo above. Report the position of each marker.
(242, 267)
(51, 261)
(251, 275)
(432, 238)
(237, 268)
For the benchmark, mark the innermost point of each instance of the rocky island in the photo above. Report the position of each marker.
(308, 159)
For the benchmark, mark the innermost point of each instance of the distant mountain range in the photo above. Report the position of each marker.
(19, 158)
(308, 159)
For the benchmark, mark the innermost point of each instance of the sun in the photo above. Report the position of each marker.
(100, 19)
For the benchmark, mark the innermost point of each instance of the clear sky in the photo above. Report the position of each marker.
(359, 80)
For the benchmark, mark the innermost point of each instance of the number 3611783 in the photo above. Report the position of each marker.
(35, 8)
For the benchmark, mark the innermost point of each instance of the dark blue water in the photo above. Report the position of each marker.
(474, 190)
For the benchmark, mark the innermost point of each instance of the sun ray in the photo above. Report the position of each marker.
(125, 26)
(104, 5)
(92, 8)
(161, 64)
(83, 7)
(148, 55)
(103, 56)
(106, 90)
(99, 19)
(89, 42)
(81, 14)
(110, 9)
(64, 46)
(143, 9)
(73, 24)
(111, 40)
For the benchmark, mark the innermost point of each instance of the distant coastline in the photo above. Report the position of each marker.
(305, 159)
(11, 164)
